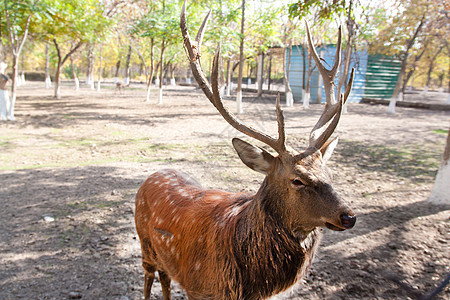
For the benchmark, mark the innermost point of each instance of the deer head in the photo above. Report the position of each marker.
(298, 185)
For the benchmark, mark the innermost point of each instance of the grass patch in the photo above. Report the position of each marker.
(415, 162)
(440, 131)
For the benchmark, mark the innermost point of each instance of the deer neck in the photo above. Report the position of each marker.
(264, 243)
(268, 207)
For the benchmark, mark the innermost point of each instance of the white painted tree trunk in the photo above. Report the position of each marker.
(239, 109)
(392, 103)
(48, 82)
(188, 80)
(3, 67)
(149, 88)
(10, 115)
(22, 78)
(116, 80)
(92, 81)
(160, 101)
(99, 83)
(249, 81)
(289, 99)
(77, 84)
(157, 81)
(230, 86)
(4, 104)
(19, 80)
(344, 108)
(391, 108)
(173, 82)
(58, 91)
(305, 97)
(126, 80)
(441, 189)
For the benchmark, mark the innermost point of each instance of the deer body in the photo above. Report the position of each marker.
(219, 245)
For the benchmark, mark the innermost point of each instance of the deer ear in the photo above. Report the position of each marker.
(253, 157)
(328, 148)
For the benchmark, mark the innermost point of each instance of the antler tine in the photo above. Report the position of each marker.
(337, 58)
(280, 121)
(327, 75)
(349, 85)
(277, 144)
(201, 30)
(329, 119)
(193, 51)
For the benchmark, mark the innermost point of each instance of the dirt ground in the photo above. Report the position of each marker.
(70, 168)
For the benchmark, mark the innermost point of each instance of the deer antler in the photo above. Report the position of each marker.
(329, 119)
(213, 94)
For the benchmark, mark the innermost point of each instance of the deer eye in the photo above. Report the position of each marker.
(297, 182)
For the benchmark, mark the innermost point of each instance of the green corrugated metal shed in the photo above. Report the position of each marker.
(381, 76)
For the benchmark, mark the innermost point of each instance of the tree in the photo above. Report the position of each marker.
(18, 16)
(241, 62)
(73, 23)
(402, 32)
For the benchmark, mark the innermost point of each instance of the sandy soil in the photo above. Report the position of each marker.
(70, 168)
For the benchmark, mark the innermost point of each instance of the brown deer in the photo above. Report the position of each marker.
(221, 245)
(121, 85)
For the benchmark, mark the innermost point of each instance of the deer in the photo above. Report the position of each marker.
(121, 85)
(223, 245)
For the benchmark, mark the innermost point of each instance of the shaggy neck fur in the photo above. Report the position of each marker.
(270, 257)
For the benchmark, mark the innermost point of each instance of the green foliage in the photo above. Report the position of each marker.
(325, 9)
(67, 71)
(81, 20)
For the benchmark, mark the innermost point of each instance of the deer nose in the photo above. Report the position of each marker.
(348, 220)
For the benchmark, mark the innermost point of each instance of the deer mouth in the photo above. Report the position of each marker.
(333, 227)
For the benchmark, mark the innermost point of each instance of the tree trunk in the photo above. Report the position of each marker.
(260, 74)
(61, 61)
(229, 77)
(440, 194)
(431, 67)
(172, 75)
(126, 80)
(74, 75)
(116, 75)
(48, 80)
(100, 70)
(13, 88)
(90, 69)
(241, 63)
(269, 73)
(286, 69)
(152, 69)
(58, 80)
(397, 91)
(161, 70)
(308, 78)
(4, 97)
